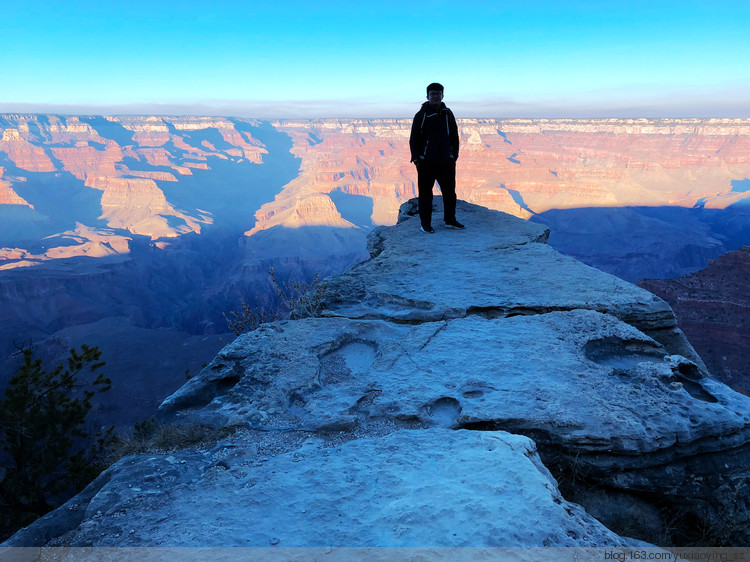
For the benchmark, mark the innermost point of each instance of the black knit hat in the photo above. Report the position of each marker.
(435, 86)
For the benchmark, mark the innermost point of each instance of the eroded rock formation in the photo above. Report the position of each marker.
(164, 177)
(443, 379)
(131, 161)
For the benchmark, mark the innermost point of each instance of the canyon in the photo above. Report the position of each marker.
(148, 229)
(513, 397)
(93, 182)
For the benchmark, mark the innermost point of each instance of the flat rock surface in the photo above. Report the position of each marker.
(581, 380)
(433, 487)
(498, 265)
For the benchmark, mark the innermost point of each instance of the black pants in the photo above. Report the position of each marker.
(445, 174)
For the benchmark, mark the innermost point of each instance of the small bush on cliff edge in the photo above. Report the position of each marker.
(46, 455)
(295, 300)
(302, 300)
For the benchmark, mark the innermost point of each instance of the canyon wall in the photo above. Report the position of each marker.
(713, 309)
(162, 177)
(527, 166)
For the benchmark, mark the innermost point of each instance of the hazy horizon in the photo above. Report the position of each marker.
(328, 111)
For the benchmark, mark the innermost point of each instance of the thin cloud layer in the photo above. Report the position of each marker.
(712, 104)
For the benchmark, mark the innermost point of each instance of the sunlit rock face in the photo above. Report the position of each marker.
(712, 307)
(613, 162)
(103, 241)
(132, 174)
(457, 389)
(165, 177)
(352, 159)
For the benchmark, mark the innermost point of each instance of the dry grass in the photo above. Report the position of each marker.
(296, 300)
(150, 437)
(301, 300)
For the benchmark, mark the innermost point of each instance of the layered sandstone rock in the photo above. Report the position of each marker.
(140, 207)
(312, 210)
(349, 158)
(406, 415)
(81, 241)
(23, 153)
(7, 195)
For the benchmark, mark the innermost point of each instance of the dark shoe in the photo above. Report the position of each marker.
(428, 229)
(454, 224)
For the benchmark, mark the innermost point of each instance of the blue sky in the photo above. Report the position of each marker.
(373, 59)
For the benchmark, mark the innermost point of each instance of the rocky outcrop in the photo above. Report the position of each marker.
(81, 241)
(22, 152)
(713, 309)
(498, 287)
(7, 195)
(140, 207)
(312, 210)
(443, 379)
(433, 487)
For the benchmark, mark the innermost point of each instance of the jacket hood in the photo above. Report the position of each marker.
(426, 105)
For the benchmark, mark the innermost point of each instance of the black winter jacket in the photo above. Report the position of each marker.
(434, 135)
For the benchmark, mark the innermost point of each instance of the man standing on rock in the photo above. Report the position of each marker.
(434, 151)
